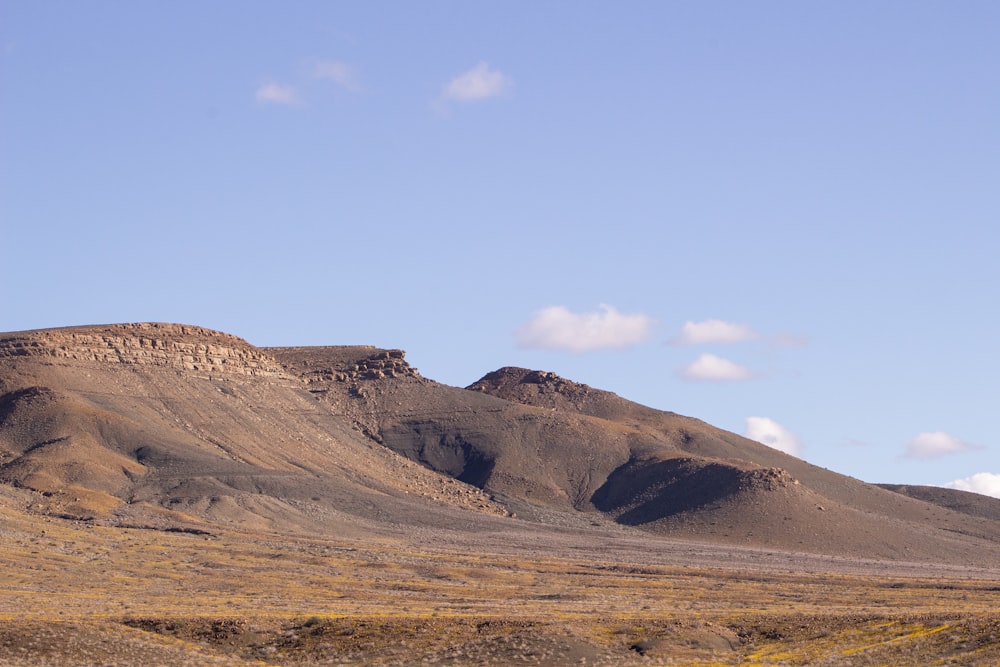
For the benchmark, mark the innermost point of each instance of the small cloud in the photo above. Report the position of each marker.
(557, 328)
(771, 433)
(478, 83)
(713, 331)
(275, 93)
(712, 367)
(986, 483)
(934, 445)
(340, 73)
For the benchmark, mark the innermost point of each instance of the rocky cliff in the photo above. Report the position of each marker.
(155, 344)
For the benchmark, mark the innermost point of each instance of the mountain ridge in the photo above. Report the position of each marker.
(179, 425)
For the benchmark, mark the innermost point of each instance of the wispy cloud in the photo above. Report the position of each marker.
(932, 445)
(339, 72)
(275, 93)
(769, 432)
(477, 84)
(558, 328)
(284, 94)
(714, 368)
(986, 483)
(713, 331)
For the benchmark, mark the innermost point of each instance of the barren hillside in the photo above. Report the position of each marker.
(170, 424)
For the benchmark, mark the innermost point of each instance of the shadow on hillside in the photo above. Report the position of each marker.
(640, 492)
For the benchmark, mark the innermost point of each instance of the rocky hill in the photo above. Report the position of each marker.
(158, 424)
(178, 426)
(174, 346)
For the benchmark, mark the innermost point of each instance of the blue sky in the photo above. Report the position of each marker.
(778, 217)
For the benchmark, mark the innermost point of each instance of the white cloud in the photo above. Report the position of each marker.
(935, 444)
(771, 433)
(986, 483)
(713, 331)
(478, 83)
(275, 93)
(711, 367)
(340, 73)
(557, 328)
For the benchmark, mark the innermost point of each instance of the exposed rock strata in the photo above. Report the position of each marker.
(171, 345)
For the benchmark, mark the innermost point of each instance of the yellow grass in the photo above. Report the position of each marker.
(78, 573)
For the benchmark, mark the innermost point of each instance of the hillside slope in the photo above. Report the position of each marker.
(176, 426)
(160, 424)
(549, 447)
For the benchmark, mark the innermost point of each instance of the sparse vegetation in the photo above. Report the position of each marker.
(252, 598)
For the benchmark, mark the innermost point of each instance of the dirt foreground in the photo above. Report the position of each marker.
(83, 594)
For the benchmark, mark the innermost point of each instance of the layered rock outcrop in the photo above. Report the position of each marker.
(320, 366)
(382, 364)
(149, 343)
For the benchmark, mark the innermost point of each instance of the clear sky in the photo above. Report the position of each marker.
(782, 218)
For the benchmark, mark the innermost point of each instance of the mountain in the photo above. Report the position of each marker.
(178, 426)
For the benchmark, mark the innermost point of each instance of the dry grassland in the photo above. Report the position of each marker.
(94, 595)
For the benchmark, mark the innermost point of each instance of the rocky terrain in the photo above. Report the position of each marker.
(170, 493)
(146, 344)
